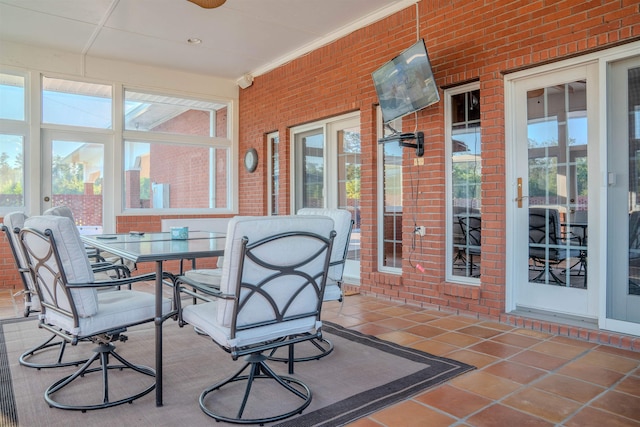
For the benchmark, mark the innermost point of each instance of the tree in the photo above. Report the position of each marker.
(67, 178)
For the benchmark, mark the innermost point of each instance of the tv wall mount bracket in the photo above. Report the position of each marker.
(402, 139)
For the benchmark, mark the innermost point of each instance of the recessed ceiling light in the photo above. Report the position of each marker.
(194, 40)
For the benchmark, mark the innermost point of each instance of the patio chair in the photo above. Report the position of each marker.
(209, 276)
(12, 223)
(74, 310)
(273, 279)
(99, 259)
(343, 223)
(546, 247)
(471, 227)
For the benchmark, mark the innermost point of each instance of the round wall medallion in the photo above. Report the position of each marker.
(251, 160)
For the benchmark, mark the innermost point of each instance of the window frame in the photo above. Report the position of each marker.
(22, 128)
(175, 139)
(449, 250)
(396, 124)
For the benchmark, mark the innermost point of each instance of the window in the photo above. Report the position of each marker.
(176, 153)
(11, 171)
(72, 103)
(12, 97)
(464, 176)
(169, 175)
(390, 209)
(147, 112)
(273, 140)
(13, 131)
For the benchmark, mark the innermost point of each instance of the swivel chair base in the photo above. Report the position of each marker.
(103, 353)
(26, 357)
(313, 349)
(258, 370)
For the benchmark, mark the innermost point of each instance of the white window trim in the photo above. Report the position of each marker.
(449, 276)
(380, 191)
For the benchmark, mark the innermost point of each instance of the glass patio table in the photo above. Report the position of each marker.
(158, 247)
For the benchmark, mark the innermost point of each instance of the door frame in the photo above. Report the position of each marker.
(597, 222)
(330, 182)
(108, 194)
(563, 301)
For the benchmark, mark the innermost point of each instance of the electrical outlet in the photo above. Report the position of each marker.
(420, 230)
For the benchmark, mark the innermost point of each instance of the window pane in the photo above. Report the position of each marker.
(349, 166)
(466, 177)
(312, 145)
(177, 116)
(175, 176)
(11, 171)
(392, 213)
(67, 102)
(11, 97)
(275, 174)
(77, 176)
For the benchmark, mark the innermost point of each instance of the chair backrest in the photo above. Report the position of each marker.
(343, 224)
(56, 256)
(12, 223)
(472, 231)
(276, 267)
(60, 211)
(544, 232)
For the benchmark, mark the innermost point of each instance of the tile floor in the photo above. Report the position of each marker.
(524, 377)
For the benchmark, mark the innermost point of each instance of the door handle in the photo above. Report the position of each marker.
(520, 197)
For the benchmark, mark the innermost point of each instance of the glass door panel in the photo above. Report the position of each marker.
(552, 213)
(349, 166)
(74, 177)
(623, 208)
(327, 175)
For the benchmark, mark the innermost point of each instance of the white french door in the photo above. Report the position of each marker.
(623, 207)
(73, 174)
(326, 164)
(553, 179)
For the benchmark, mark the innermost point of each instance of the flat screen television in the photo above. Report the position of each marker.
(405, 84)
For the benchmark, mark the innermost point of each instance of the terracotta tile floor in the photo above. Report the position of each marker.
(524, 377)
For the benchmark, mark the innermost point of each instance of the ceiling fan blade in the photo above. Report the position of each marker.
(208, 4)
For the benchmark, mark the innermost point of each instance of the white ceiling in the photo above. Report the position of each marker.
(240, 37)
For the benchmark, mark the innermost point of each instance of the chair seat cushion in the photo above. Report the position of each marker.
(115, 309)
(203, 317)
(208, 276)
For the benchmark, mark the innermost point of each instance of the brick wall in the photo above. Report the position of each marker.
(467, 41)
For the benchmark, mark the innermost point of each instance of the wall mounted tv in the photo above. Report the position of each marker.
(405, 84)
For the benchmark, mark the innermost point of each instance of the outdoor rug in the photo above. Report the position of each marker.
(361, 376)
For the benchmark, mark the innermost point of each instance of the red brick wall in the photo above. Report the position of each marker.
(467, 40)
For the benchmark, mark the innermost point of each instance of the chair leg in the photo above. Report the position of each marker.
(258, 370)
(319, 349)
(103, 354)
(25, 358)
(546, 272)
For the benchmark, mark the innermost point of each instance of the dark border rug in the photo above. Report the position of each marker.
(363, 375)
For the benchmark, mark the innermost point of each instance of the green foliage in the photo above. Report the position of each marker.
(67, 178)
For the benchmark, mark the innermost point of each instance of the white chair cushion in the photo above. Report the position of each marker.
(16, 220)
(204, 317)
(73, 257)
(255, 229)
(208, 276)
(60, 211)
(342, 221)
(124, 307)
